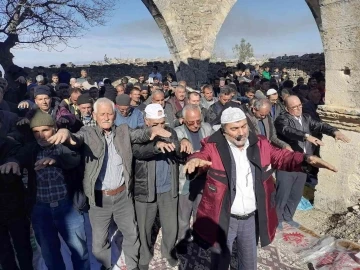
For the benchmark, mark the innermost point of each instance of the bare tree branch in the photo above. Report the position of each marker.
(49, 22)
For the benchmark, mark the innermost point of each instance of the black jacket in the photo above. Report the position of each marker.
(145, 168)
(287, 131)
(68, 160)
(12, 191)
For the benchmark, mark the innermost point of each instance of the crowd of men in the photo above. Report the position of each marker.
(203, 159)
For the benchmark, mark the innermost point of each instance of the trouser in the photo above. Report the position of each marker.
(48, 221)
(289, 190)
(19, 232)
(146, 214)
(244, 231)
(120, 209)
(186, 208)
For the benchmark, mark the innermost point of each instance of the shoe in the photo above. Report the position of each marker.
(293, 224)
(172, 262)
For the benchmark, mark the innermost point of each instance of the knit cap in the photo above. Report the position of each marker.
(42, 90)
(40, 119)
(123, 100)
(84, 99)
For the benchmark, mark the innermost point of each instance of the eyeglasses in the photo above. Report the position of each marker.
(191, 123)
(296, 107)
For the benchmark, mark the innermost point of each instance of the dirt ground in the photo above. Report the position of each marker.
(341, 226)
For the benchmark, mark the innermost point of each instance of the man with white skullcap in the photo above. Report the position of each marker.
(239, 195)
(156, 186)
(277, 107)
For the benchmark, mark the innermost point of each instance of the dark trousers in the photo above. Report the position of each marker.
(50, 220)
(119, 208)
(186, 208)
(146, 214)
(289, 190)
(244, 231)
(19, 232)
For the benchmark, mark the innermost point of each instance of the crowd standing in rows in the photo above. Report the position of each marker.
(203, 159)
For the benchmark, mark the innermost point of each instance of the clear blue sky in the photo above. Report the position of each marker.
(273, 27)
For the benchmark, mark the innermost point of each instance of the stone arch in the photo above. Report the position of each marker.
(190, 28)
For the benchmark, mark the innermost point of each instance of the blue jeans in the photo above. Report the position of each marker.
(50, 220)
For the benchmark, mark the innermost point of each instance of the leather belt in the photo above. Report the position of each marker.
(113, 192)
(244, 217)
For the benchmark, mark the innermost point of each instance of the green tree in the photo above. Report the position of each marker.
(243, 51)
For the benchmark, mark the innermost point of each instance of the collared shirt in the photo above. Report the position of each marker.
(300, 122)
(88, 121)
(111, 175)
(162, 174)
(50, 181)
(245, 201)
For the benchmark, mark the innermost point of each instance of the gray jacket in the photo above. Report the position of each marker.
(93, 141)
(269, 129)
(183, 133)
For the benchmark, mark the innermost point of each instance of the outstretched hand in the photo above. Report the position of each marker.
(159, 131)
(194, 163)
(61, 136)
(10, 166)
(320, 163)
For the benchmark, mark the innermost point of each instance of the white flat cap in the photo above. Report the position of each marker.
(231, 115)
(271, 91)
(154, 111)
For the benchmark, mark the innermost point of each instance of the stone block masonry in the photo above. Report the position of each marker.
(298, 66)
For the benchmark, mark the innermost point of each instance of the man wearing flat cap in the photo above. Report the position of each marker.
(108, 178)
(239, 194)
(85, 105)
(52, 183)
(125, 114)
(49, 105)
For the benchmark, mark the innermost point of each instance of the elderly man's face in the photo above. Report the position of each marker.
(294, 106)
(273, 98)
(261, 113)
(192, 120)
(224, 99)
(104, 116)
(42, 134)
(155, 122)
(72, 82)
(124, 110)
(194, 99)
(86, 109)
(43, 102)
(158, 99)
(238, 129)
(180, 94)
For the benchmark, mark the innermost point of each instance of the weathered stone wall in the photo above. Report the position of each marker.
(298, 66)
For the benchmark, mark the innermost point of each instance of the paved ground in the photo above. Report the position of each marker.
(287, 252)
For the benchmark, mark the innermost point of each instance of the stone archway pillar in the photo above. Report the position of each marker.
(190, 28)
(341, 40)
